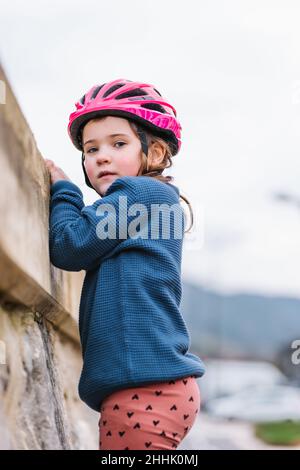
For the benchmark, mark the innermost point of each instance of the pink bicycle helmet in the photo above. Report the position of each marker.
(139, 102)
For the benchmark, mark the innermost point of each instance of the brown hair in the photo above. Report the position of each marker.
(147, 168)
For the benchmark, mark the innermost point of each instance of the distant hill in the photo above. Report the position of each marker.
(242, 326)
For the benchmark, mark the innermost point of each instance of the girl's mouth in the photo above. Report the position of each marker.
(106, 175)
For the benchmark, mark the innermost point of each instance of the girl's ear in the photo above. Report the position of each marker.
(157, 152)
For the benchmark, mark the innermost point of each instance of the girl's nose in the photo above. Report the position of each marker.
(103, 157)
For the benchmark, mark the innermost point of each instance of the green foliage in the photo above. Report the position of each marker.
(279, 433)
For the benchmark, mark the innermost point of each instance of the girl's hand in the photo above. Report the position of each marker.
(56, 173)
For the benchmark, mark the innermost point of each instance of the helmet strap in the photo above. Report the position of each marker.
(143, 140)
(87, 181)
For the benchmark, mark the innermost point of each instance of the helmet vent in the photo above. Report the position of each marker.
(112, 89)
(128, 94)
(96, 91)
(155, 106)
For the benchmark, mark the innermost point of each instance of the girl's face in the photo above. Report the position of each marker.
(119, 154)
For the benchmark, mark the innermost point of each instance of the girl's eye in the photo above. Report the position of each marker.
(121, 143)
(94, 148)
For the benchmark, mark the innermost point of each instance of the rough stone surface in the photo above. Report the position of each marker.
(40, 407)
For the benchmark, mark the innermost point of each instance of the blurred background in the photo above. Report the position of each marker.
(232, 71)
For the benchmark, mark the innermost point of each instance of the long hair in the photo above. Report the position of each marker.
(155, 170)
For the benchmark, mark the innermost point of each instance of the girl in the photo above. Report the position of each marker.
(137, 371)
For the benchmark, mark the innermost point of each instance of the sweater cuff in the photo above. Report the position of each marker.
(64, 185)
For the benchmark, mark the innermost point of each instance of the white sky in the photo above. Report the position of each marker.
(232, 71)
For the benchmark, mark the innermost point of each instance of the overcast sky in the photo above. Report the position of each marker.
(232, 71)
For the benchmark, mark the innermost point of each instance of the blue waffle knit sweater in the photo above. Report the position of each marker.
(131, 330)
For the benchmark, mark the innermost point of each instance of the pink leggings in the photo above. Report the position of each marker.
(156, 416)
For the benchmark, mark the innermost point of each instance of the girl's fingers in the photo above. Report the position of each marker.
(56, 173)
(49, 162)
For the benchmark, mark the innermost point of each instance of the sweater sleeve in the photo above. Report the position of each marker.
(80, 236)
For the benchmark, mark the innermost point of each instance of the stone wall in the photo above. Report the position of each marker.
(40, 356)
